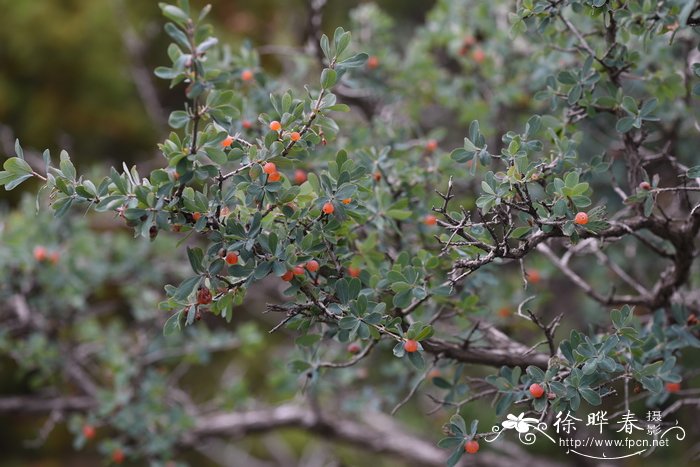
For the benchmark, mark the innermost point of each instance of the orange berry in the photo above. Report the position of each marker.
(204, 296)
(431, 145)
(534, 276)
(299, 176)
(354, 348)
(228, 141)
(434, 373)
(312, 265)
(196, 216)
(645, 186)
(410, 346)
(232, 258)
(347, 201)
(118, 456)
(39, 253)
(275, 125)
(581, 218)
(246, 75)
(288, 276)
(89, 431)
(274, 177)
(353, 271)
(673, 387)
(430, 220)
(478, 55)
(328, 208)
(377, 176)
(536, 390)
(246, 124)
(372, 62)
(298, 270)
(295, 136)
(504, 312)
(471, 446)
(269, 168)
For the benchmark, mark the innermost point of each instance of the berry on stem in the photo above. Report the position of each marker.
(204, 296)
(295, 136)
(645, 186)
(232, 258)
(274, 177)
(581, 218)
(410, 346)
(89, 431)
(478, 55)
(471, 446)
(431, 145)
(40, 253)
(673, 387)
(372, 62)
(312, 265)
(288, 276)
(275, 125)
(298, 270)
(536, 390)
(354, 348)
(299, 176)
(246, 75)
(328, 208)
(347, 201)
(196, 216)
(269, 168)
(353, 271)
(430, 220)
(246, 124)
(228, 141)
(118, 456)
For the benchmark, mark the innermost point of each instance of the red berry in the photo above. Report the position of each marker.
(196, 216)
(372, 62)
(536, 390)
(118, 456)
(354, 348)
(269, 168)
(353, 271)
(228, 141)
(204, 296)
(246, 124)
(471, 446)
(673, 387)
(295, 136)
(89, 431)
(275, 125)
(299, 176)
(288, 276)
(410, 346)
(246, 75)
(431, 145)
(232, 257)
(347, 201)
(504, 312)
(328, 208)
(430, 220)
(534, 276)
(377, 176)
(581, 218)
(478, 55)
(312, 265)
(645, 186)
(274, 177)
(298, 270)
(39, 253)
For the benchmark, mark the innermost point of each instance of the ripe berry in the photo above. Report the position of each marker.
(196, 216)
(692, 320)
(504, 312)
(581, 218)
(347, 201)
(228, 141)
(118, 456)
(536, 390)
(328, 208)
(471, 446)
(673, 387)
(269, 168)
(534, 276)
(377, 176)
(431, 145)
(39, 253)
(372, 62)
(89, 431)
(288, 276)
(299, 176)
(434, 373)
(354, 348)
(410, 346)
(298, 270)
(274, 177)
(232, 258)
(353, 271)
(312, 265)
(246, 75)
(295, 136)
(430, 220)
(204, 296)
(478, 55)
(275, 125)
(645, 186)
(246, 124)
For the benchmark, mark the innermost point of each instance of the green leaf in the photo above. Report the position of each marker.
(173, 324)
(328, 78)
(174, 13)
(17, 166)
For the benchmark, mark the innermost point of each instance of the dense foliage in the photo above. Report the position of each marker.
(578, 120)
